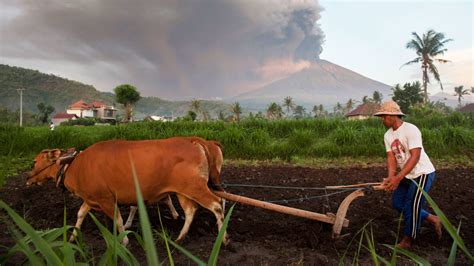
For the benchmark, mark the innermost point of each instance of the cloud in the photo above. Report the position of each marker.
(167, 48)
(460, 71)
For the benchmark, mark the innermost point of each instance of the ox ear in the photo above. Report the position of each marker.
(54, 154)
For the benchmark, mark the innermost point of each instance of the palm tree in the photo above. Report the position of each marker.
(236, 110)
(289, 104)
(377, 97)
(274, 111)
(196, 106)
(338, 109)
(460, 91)
(366, 99)
(349, 105)
(427, 48)
(299, 111)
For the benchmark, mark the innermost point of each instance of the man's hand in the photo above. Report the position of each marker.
(391, 183)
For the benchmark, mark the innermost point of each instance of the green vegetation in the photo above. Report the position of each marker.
(60, 93)
(444, 137)
(127, 95)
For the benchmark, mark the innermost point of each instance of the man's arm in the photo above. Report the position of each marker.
(392, 182)
(391, 163)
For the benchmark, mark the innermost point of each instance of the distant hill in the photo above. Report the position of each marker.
(60, 93)
(450, 100)
(321, 83)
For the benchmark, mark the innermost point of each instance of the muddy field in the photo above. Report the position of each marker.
(261, 237)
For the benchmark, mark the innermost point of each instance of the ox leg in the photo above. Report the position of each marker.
(81, 214)
(210, 201)
(109, 209)
(189, 208)
(131, 215)
(169, 202)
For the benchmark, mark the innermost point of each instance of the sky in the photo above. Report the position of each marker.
(372, 41)
(217, 49)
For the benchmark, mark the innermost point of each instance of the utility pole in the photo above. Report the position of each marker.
(20, 90)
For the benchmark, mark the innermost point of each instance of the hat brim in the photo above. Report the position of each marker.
(388, 113)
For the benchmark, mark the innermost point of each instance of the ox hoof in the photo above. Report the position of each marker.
(125, 241)
(226, 241)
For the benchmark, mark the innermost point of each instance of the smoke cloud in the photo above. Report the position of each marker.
(167, 48)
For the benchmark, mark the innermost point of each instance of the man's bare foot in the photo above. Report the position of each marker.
(405, 243)
(436, 222)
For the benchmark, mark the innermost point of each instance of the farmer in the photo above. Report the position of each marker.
(404, 147)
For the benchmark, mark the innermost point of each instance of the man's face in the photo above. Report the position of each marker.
(388, 120)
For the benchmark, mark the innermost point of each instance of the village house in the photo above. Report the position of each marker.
(62, 117)
(96, 109)
(468, 108)
(363, 111)
(158, 118)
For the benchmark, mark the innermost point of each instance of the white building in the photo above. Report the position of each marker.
(94, 110)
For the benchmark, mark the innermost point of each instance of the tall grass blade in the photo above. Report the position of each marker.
(39, 243)
(186, 253)
(415, 258)
(393, 259)
(371, 246)
(454, 249)
(150, 249)
(217, 244)
(165, 237)
(448, 226)
(120, 250)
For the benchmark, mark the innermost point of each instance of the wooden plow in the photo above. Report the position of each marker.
(338, 220)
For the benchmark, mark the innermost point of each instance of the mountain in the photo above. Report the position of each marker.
(451, 100)
(60, 93)
(321, 83)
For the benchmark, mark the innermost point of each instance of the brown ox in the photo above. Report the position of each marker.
(101, 176)
(215, 160)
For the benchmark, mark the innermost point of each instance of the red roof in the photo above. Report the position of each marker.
(79, 105)
(64, 116)
(97, 104)
(366, 109)
(468, 108)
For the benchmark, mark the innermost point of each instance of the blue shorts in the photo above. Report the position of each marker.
(409, 200)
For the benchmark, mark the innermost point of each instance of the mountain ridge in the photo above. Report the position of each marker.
(322, 82)
(61, 92)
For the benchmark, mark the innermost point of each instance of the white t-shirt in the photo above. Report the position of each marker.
(401, 141)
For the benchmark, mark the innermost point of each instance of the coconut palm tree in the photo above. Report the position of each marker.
(236, 109)
(196, 106)
(274, 111)
(377, 97)
(427, 47)
(299, 112)
(460, 91)
(289, 104)
(349, 105)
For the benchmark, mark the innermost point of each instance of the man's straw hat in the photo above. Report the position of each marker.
(389, 108)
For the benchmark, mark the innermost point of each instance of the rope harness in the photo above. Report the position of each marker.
(304, 198)
(64, 161)
(44, 168)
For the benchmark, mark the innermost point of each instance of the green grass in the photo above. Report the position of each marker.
(257, 139)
